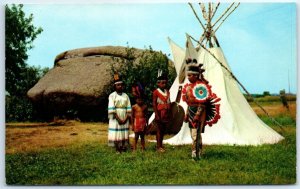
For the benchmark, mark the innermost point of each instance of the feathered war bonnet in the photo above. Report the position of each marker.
(161, 76)
(117, 79)
(192, 67)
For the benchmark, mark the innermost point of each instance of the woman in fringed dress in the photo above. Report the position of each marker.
(119, 113)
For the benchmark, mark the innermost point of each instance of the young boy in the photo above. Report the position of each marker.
(139, 121)
(119, 112)
(201, 101)
(161, 107)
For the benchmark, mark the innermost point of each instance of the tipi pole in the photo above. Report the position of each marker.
(207, 16)
(196, 16)
(204, 13)
(214, 12)
(238, 82)
(209, 11)
(204, 28)
(226, 17)
(223, 14)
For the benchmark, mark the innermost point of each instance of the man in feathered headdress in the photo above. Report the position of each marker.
(202, 108)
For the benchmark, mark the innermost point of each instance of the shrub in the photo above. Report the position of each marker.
(145, 71)
(18, 109)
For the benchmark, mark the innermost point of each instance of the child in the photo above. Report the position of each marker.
(161, 107)
(119, 112)
(139, 121)
(201, 105)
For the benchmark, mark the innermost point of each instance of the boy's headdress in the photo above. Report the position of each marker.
(193, 67)
(117, 79)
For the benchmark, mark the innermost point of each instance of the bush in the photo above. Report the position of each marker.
(266, 93)
(18, 109)
(145, 71)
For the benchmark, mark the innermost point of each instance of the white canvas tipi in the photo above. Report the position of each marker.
(238, 125)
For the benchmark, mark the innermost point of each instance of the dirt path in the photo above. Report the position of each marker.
(24, 137)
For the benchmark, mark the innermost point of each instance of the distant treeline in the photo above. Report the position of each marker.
(270, 98)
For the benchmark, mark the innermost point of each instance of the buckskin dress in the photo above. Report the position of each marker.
(120, 105)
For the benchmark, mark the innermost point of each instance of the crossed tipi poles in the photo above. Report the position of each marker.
(211, 27)
(208, 38)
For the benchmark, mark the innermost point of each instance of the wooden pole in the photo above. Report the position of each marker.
(223, 14)
(210, 9)
(203, 27)
(227, 17)
(214, 12)
(209, 28)
(197, 16)
(204, 13)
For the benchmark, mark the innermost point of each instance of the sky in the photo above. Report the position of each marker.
(258, 39)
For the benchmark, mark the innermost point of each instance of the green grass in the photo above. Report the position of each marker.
(98, 164)
(280, 119)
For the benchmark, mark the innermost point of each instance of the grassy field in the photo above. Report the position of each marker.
(74, 153)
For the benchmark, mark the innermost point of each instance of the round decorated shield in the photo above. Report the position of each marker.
(201, 92)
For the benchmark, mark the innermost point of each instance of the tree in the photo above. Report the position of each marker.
(19, 108)
(145, 71)
(19, 36)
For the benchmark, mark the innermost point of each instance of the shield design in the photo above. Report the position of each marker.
(201, 92)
